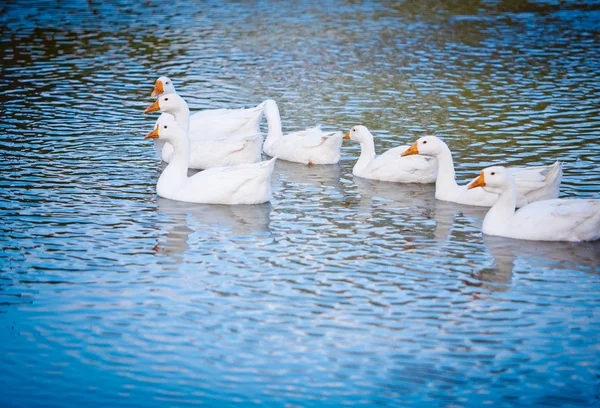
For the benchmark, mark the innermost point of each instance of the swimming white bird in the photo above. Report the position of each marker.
(533, 183)
(215, 123)
(207, 153)
(390, 166)
(310, 146)
(243, 184)
(549, 220)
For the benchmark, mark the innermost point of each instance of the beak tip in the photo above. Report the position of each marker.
(152, 108)
(410, 151)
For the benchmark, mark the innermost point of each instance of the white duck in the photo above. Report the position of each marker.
(549, 220)
(207, 153)
(311, 146)
(243, 184)
(215, 123)
(390, 166)
(533, 183)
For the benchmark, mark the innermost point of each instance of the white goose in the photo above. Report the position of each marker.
(215, 123)
(533, 183)
(549, 220)
(310, 146)
(390, 166)
(207, 153)
(243, 184)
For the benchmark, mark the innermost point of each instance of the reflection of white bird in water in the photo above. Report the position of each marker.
(216, 220)
(582, 256)
(400, 195)
(445, 214)
(324, 177)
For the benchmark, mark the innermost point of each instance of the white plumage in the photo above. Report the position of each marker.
(310, 146)
(547, 220)
(242, 184)
(533, 183)
(390, 166)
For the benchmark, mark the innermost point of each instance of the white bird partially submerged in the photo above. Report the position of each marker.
(549, 220)
(210, 152)
(215, 123)
(242, 184)
(310, 146)
(390, 166)
(532, 183)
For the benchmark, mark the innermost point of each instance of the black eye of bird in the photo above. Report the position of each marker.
(166, 99)
(167, 82)
(424, 141)
(493, 173)
(165, 126)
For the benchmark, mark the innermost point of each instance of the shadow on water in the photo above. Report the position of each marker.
(182, 220)
(571, 256)
(315, 175)
(394, 195)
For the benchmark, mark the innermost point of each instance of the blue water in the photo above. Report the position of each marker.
(341, 291)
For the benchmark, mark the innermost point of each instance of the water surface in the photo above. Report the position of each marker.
(341, 290)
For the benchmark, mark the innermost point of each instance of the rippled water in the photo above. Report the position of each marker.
(341, 290)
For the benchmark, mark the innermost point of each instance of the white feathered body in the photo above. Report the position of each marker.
(549, 220)
(221, 123)
(391, 166)
(242, 184)
(221, 152)
(307, 146)
(310, 146)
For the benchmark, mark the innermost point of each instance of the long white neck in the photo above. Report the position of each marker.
(498, 216)
(182, 117)
(367, 153)
(445, 184)
(274, 123)
(176, 172)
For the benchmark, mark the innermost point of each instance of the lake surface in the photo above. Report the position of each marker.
(341, 291)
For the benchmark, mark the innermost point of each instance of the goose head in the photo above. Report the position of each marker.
(426, 146)
(166, 129)
(359, 133)
(163, 85)
(493, 179)
(170, 103)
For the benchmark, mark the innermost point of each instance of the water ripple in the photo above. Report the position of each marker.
(341, 290)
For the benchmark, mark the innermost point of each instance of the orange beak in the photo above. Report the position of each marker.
(153, 134)
(347, 135)
(411, 150)
(153, 108)
(158, 88)
(478, 182)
